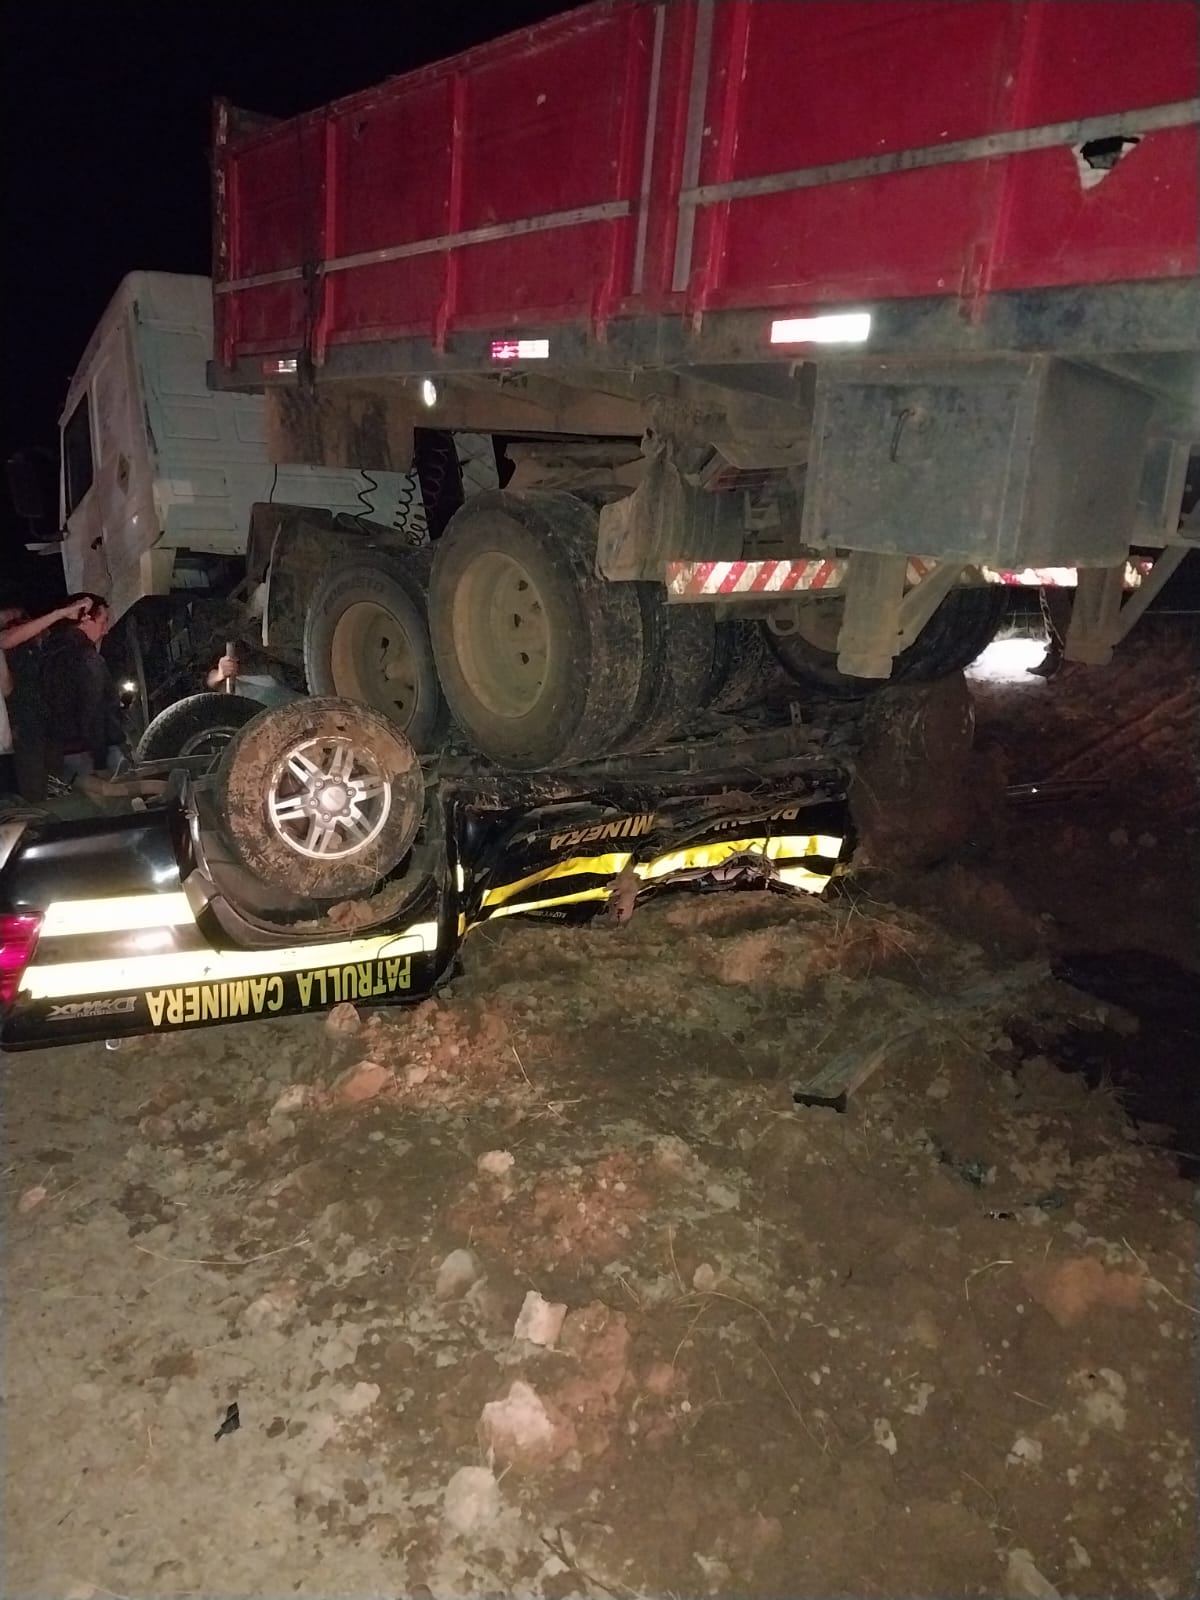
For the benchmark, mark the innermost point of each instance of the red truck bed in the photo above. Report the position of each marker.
(632, 161)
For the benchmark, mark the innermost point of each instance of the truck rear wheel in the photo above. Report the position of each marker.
(960, 629)
(540, 659)
(322, 798)
(678, 645)
(958, 634)
(742, 667)
(201, 725)
(366, 638)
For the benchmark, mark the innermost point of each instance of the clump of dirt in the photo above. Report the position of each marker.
(975, 903)
(912, 795)
(1069, 1290)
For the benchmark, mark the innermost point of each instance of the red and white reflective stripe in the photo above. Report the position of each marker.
(689, 579)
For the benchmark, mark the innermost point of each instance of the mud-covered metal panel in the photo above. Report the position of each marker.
(991, 461)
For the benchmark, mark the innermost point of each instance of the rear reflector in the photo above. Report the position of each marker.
(840, 327)
(520, 349)
(18, 935)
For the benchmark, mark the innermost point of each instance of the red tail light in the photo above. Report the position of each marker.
(18, 935)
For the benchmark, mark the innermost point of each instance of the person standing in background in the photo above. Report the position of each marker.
(23, 723)
(84, 728)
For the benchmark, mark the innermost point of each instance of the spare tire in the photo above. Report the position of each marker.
(960, 629)
(366, 638)
(203, 724)
(322, 798)
(540, 658)
(678, 647)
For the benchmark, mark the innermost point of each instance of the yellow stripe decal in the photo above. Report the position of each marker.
(698, 856)
(541, 905)
(784, 848)
(70, 978)
(577, 866)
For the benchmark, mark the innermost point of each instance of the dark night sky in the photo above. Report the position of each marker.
(107, 112)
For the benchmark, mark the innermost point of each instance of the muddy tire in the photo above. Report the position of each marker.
(322, 798)
(366, 638)
(540, 659)
(960, 629)
(742, 667)
(678, 646)
(203, 724)
(957, 634)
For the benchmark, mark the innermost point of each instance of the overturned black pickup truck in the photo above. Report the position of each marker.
(319, 863)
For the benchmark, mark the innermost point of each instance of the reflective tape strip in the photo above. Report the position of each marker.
(541, 905)
(690, 859)
(577, 867)
(76, 949)
(714, 855)
(808, 844)
(116, 914)
(686, 579)
(69, 978)
(691, 579)
(803, 878)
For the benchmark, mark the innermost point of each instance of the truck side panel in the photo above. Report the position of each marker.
(809, 90)
(639, 159)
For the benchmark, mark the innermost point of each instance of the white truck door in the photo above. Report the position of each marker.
(106, 499)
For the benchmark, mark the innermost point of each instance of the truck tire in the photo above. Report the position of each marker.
(322, 798)
(366, 638)
(203, 724)
(960, 629)
(678, 646)
(957, 634)
(540, 658)
(742, 667)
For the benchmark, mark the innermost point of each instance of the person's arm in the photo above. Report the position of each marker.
(21, 632)
(227, 667)
(6, 683)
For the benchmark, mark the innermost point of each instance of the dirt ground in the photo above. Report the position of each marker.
(551, 1287)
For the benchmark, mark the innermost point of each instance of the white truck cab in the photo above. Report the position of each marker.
(158, 474)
